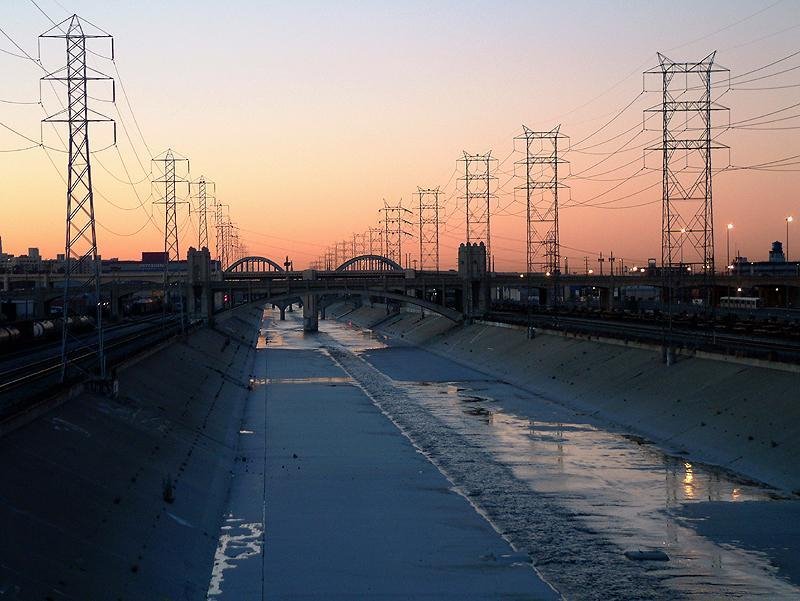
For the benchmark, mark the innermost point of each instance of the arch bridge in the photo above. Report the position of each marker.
(369, 263)
(254, 264)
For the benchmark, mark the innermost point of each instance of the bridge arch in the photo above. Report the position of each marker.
(369, 263)
(253, 265)
(294, 297)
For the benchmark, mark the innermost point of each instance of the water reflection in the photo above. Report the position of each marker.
(622, 487)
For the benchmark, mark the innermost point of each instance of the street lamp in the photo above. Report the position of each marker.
(789, 219)
(730, 227)
(683, 234)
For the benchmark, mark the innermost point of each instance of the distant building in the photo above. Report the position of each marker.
(157, 257)
(776, 265)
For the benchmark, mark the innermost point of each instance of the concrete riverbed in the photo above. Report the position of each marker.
(382, 458)
(353, 510)
(330, 501)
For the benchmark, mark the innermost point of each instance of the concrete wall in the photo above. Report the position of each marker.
(741, 416)
(82, 509)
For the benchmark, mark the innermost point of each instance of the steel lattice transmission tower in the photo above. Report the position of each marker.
(219, 229)
(80, 250)
(375, 235)
(358, 245)
(477, 198)
(343, 251)
(687, 221)
(394, 221)
(428, 227)
(541, 162)
(202, 210)
(170, 201)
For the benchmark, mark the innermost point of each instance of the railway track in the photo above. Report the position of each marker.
(24, 387)
(714, 341)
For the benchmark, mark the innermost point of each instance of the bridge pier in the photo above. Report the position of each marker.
(198, 285)
(475, 280)
(310, 314)
(606, 298)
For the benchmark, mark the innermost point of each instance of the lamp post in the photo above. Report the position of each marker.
(789, 219)
(683, 235)
(728, 263)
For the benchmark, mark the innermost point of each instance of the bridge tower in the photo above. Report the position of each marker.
(80, 250)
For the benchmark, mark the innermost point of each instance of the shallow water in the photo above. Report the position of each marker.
(623, 490)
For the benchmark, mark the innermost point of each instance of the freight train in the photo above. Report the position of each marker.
(24, 333)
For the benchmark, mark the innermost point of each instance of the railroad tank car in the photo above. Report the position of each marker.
(9, 335)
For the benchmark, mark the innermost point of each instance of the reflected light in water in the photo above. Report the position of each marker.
(688, 481)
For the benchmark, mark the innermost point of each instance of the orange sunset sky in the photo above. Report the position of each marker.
(307, 115)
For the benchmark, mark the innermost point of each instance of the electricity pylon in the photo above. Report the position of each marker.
(428, 227)
(394, 220)
(170, 201)
(202, 209)
(80, 251)
(477, 198)
(541, 163)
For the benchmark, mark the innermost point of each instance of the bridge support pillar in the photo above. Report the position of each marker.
(310, 315)
(475, 279)
(282, 309)
(199, 296)
(606, 298)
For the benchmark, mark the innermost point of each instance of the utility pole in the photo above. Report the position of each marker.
(477, 178)
(394, 221)
(611, 260)
(80, 249)
(428, 227)
(600, 261)
(586, 265)
(202, 210)
(170, 201)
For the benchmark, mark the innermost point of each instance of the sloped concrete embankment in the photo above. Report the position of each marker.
(121, 499)
(735, 414)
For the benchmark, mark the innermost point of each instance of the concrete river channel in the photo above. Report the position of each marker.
(394, 472)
